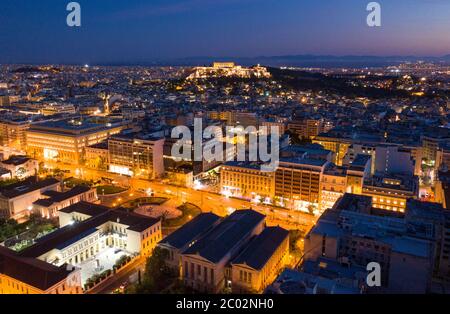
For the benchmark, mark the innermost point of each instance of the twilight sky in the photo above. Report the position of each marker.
(128, 31)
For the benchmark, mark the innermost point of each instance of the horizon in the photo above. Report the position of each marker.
(162, 31)
(334, 61)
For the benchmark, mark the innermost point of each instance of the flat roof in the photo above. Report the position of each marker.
(24, 187)
(303, 161)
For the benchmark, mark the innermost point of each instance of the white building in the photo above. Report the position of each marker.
(86, 229)
(20, 166)
(16, 200)
(53, 201)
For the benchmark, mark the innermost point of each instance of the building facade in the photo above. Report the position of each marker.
(136, 156)
(246, 180)
(66, 140)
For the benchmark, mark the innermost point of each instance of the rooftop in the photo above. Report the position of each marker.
(217, 243)
(262, 247)
(55, 196)
(99, 215)
(191, 230)
(16, 160)
(31, 271)
(284, 162)
(24, 187)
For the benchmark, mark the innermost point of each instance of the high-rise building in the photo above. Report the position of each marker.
(298, 182)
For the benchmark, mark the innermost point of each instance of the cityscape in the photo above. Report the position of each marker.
(152, 177)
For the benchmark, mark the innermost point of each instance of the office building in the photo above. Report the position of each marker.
(66, 140)
(298, 182)
(244, 179)
(134, 155)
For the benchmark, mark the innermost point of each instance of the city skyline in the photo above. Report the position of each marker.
(160, 31)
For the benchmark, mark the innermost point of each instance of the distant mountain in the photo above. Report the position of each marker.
(324, 61)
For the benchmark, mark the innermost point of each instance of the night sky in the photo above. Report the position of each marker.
(33, 31)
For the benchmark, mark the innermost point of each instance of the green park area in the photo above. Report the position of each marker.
(71, 182)
(109, 189)
(142, 201)
(20, 236)
(189, 211)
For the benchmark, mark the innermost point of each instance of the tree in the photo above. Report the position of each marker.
(156, 273)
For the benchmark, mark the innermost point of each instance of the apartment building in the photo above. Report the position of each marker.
(339, 146)
(13, 134)
(97, 156)
(390, 192)
(333, 185)
(308, 128)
